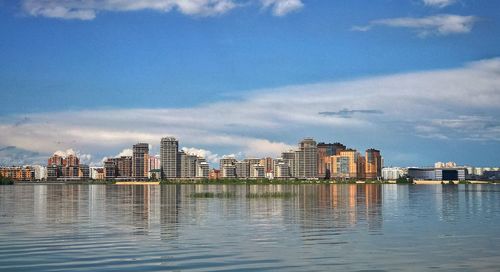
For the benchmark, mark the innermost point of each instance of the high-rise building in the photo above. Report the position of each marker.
(227, 160)
(110, 169)
(348, 164)
(154, 162)
(65, 168)
(84, 171)
(120, 167)
(242, 169)
(187, 165)
(282, 170)
(71, 160)
(325, 151)
(306, 159)
(268, 164)
(257, 171)
(373, 167)
(169, 147)
(140, 161)
(55, 160)
(289, 158)
(202, 168)
(228, 171)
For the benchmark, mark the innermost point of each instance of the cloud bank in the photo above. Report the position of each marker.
(439, 3)
(88, 10)
(442, 24)
(459, 104)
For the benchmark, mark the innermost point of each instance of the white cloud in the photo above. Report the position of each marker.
(88, 10)
(125, 152)
(208, 155)
(442, 24)
(439, 3)
(454, 104)
(282, 7)
(84, 158)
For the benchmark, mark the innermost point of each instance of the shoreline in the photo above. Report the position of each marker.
(249, 182)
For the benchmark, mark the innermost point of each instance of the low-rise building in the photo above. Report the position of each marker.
(18, 173)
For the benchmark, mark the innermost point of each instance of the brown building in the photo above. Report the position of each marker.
(268, 164)
(373, 166)
(348, 164)
(214, 174)
(118, 167)
(71, 160)
(62, 168)
(325, 151)
(140, 161)
(18, 173)
(55, 160)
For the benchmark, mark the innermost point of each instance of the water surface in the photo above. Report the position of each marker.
(321, 228)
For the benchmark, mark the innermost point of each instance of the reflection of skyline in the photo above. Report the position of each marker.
(340, 206)
(167, 210)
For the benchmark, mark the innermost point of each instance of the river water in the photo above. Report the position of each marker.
(318, 228)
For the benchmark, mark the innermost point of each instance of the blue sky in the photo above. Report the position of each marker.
(67, 66)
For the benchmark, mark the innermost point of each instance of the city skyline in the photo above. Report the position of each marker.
(419, 80)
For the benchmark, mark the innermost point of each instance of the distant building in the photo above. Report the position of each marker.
(268, 164)
(373, 165)
(55, 160)
(445, 165)
(202, 169)
(282, 170)
(437, 173)
(228, 171)
(140, 161)
(257, 171)
(18, 173)
(154, 174)
(154, 162)
(40, 172)
(118, 168)
(84, 171)
(306, 159)
(242, 169)
(227, 161)
(169, 148)
(348, 164)
(392, 173)
(214, 174)
(325, 151)
(66, 168)
(187, 165)
(97, 173)
(289, 158)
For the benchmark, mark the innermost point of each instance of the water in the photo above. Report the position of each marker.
(321, 228)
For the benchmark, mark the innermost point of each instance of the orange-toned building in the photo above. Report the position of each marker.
(373, 167)
(55, 160)
(325, 151)
(18, 173)
(348, 164)
(214, 174)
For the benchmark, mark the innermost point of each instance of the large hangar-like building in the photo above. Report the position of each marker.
(437, 173)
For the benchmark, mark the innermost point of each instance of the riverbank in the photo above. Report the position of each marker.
(246, 182)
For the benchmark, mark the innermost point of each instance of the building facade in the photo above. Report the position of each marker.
(373, 166)
(140, 161)
(169, 147)
(306, 159)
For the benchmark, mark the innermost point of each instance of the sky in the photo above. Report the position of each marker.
(417, 79)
